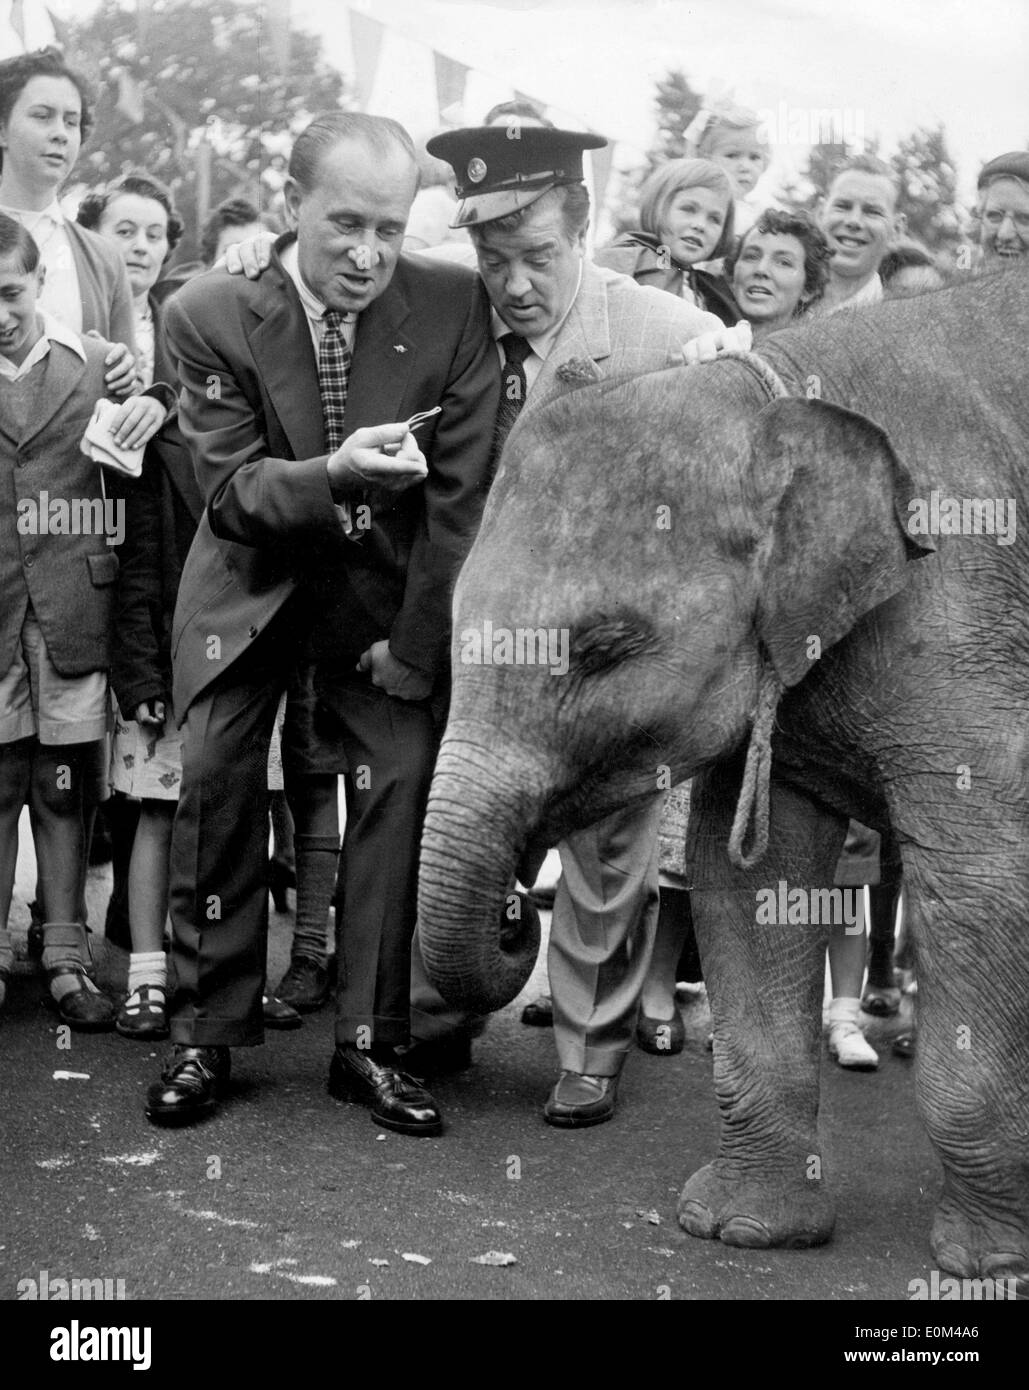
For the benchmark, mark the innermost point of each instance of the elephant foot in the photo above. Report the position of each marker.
(757, 1213)
(973, 1247)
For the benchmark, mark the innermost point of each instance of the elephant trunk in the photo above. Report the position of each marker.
(479, 940)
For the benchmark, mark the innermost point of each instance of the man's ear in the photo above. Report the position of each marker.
(900, 224)
(40, 276)
(580, 240)
(291, 196)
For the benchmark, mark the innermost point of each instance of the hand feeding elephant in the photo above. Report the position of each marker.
(702, 544)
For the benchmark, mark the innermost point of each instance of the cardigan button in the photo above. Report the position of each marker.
(252, 632)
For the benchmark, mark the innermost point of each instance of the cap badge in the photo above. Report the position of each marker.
(476, 170)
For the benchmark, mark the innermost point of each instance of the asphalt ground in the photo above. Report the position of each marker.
(286, 1193)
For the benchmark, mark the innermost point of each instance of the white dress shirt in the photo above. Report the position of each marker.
(314, 312)
(541, 346)
(60, 294)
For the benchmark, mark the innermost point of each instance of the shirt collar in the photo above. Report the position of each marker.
(56, 332)
(542, 345)
(313, 306)
(53, 210)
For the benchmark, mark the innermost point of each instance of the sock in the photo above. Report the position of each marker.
(147, 968)
(844, 1010)
(317, 858)
(6, 961)
(64, 943)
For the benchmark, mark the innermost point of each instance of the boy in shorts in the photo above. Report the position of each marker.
(58, 527)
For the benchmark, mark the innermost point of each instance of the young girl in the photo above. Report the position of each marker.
(686, 217)
(731, 137)
(58, 585)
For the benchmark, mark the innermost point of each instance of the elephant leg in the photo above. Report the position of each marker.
(973, 1057)
(765, 983)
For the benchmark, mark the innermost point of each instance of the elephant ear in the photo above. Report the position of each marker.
(839, 543)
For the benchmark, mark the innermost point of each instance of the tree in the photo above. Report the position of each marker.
(203, 101)
(677, 104)
(928, 196)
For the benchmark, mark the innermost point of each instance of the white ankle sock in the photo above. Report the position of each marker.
(844, 1010)
(147, 968)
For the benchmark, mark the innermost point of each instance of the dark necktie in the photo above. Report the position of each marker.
(512, 389)
(334, 358)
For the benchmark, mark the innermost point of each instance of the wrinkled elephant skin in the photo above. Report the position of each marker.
(668, 540)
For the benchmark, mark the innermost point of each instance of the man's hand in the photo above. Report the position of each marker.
(137, 421)
(151, 714)
(708, 346)
(249, 257)
(120, 376)
(398, 679)
(361, 463)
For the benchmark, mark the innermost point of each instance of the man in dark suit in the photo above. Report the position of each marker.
(321, 543)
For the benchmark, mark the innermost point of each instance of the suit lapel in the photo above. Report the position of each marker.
(584, 336)
(64, 371)
(383, 358)
(285, 360)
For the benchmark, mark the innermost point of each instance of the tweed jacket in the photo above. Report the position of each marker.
(69, 579)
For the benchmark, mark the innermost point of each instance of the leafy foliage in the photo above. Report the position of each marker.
(203, 73)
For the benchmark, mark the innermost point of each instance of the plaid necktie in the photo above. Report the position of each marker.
(512, 389)
(334, 359)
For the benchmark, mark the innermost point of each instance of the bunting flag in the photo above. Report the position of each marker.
(130, 97)
(24, 25)
(366, 43)
(600, 161)
(451, 77)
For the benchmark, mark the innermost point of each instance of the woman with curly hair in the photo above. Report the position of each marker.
(779, 269)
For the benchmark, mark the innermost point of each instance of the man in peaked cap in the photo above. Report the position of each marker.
(558, 322)
(1003, 211)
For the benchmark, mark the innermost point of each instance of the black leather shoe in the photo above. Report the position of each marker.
(305, 985)
(662, 1036)
(905, 1044)
(278, 1014)
(578, 1101)
(83, 1009)
(189, 1086)
(397, 1101)
(539, 1013)
(438, 1056)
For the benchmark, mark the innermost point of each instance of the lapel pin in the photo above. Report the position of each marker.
(399, 347)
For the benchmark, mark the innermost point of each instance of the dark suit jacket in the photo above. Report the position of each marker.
(69, 579)
(251, 413)
(163, 511)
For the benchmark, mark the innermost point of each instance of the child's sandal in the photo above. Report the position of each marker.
(144, 1014)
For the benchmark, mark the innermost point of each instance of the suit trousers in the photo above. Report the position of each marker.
(218, 890)
(602, 937)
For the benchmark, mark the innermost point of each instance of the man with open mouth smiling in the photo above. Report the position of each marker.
(860, 219)
(1003, 212)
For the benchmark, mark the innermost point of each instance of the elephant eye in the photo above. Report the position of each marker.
(606, 640)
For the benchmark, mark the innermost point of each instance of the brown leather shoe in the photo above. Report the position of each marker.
(190, 1085)
(539, 1013)
(83, 1009)
(305, 985)
(278, 1014)
(578, 1101)
(396, 1100)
